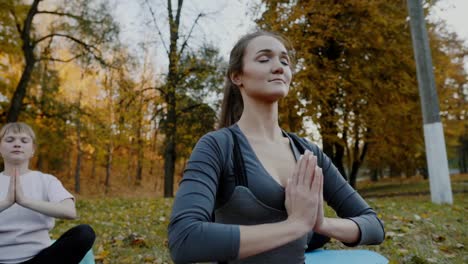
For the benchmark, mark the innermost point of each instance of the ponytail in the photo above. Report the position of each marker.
(232, 106)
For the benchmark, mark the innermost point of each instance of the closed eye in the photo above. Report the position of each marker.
(263, 59)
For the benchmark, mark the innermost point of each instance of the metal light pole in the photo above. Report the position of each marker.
(436, 154)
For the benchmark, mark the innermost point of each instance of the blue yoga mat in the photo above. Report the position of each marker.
(344, 256)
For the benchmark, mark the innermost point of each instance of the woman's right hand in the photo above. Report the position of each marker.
(303, 194)
(10, 197)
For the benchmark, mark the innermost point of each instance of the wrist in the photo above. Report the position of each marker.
(23, 202)
(296, 227)
(323, 227)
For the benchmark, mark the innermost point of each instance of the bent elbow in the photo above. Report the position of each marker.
(175, 246)
(70, 214)
(179, 253)
(381, 234)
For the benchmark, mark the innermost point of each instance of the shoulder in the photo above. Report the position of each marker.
(305, 142)
(42, 177)
(214, 147)
(220, 138)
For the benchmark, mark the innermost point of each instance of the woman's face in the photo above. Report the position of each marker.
(16, 147)
(266, 73)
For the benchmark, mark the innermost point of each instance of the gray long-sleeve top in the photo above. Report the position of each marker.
(208, 183)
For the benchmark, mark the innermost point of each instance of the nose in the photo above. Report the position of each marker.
(277, 67)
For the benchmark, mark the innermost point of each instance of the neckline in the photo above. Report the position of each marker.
(3, 173)
(244, 137)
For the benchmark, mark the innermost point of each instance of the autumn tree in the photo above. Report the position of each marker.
(85, 26)
(173, 87)
(197, 97)
(355, 78)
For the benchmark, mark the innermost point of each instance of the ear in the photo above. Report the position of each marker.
(236, 79)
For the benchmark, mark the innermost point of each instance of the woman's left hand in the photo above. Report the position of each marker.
(320, 222)
(19, 195)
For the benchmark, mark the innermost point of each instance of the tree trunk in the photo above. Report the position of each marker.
(93, 164)
(108, 166)
(170, 98)
(374, 175)
(39, 161)
(139, 168)
(129, 164)
(20, 93)
(154, 149)
(169, 154)
(28, 52)
(358, 159)
(78, 148)
(332, 149)
(463, 154)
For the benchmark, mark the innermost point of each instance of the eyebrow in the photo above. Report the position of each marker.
(18, 137)
(271, 51)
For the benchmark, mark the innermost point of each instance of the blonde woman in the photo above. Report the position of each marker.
(29, 202)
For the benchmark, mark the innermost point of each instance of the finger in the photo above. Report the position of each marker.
(309, 172)
(302, 168)
(320, 177)
(296, 171)
(316, 181)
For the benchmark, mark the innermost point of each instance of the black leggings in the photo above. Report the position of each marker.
(70, 248)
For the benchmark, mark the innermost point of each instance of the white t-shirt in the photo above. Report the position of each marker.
(24, 232)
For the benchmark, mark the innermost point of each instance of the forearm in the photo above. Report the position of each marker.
(260, 238)
(5, 205)
(65, 209)
(344, 230)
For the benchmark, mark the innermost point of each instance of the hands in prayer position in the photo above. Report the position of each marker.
(64, 209)
(15, 192)
(304, 194)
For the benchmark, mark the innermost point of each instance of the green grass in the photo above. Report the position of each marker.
(133, 230)
(418, 231)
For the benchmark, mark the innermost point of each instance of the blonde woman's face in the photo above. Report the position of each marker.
(16, 147)
(266, 73)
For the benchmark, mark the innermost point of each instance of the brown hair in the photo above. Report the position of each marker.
(232, 105)
(18, 127)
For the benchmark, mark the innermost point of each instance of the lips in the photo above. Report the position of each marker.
(281, 80)
(17, 152)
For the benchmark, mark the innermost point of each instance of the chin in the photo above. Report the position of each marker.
(277, 95)
(17, 161)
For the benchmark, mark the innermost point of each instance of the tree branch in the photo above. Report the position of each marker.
(185, 110)
(157, 27)
(64, 36)
(77, 17)
(158, 111)
(190, 33)
(90, 48)
(60, 60)
(18, 26)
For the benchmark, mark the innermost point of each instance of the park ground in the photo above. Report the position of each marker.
(134, 230)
